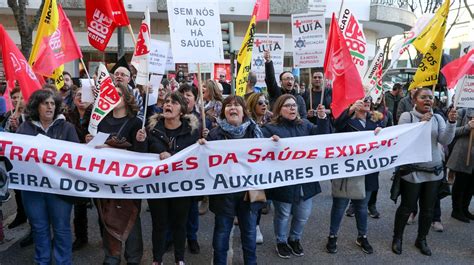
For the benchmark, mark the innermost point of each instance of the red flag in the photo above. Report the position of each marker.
(16, 66)
(338, 66)
(103, 17)
(59, 48)
(263, 12)
(454, 70)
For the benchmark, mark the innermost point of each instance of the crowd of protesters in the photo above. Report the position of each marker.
(175, 122)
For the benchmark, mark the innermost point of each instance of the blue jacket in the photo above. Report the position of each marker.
(286, 129)
(345, 123)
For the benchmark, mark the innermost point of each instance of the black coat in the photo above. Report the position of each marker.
(275, 91)
(226, 204)
(347, 124)
(159, 142)
(290, 194)
(60, 130)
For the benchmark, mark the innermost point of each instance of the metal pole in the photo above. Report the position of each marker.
(120, 43)
(232, 72)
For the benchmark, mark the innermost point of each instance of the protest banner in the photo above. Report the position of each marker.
(158, 56)
(275, 43)
(355, 39)
(106, 101)
(309, 40)
(195, 31)
(373, 77)
(141, 55)
(49, 165)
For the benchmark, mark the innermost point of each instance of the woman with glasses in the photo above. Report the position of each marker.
(234, 123)
(357, 117)
(293, 200)
(258, 108)
(421, 181)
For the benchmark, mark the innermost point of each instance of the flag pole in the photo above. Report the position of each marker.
(133, 35)
(201, 97)
(471, 135)
(340, 10)
(87, 73)
(145, 108)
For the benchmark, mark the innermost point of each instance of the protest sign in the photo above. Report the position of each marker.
(195, 31)
(106, 101)
(373, 77)
(465, 92)
(275, 43)
(206, 68)
(317, 6)
(216, 167)
(355, 39)
(158, 56)
(169, 61)
(87, 90)
(309, 34)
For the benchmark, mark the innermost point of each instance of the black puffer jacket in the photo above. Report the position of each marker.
(223, 204)
(286, 129)
(159, 142)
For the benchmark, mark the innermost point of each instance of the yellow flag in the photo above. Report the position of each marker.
(47, 25)
(244, 58)
(430, 44)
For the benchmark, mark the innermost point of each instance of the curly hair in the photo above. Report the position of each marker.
(237, 99)
(277, 117)
(179, 98)
(38, 97)
(129, 100)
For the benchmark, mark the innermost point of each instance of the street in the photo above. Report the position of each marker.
(453, 246)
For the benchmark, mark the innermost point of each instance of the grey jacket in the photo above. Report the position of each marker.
(441, 132)
(405, 104)
(458, 157)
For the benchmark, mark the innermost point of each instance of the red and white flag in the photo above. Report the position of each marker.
(16, 67)
(338, 66)
(103, 16)
(59, 48)
(141, 54)
(456, 69)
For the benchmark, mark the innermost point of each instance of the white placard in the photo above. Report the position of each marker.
(276, 44)
(317, 6)
(206, 68)
(158, 56)
(87, 90)
(195, 31)
(465, 92)
(169, 61)
(155, 81)
(309, 40)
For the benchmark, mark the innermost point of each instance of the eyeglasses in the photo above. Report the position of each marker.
(230, 105)
(261, 102)
(290, 105)
(289, 78)
(121, 74)
(426, 97)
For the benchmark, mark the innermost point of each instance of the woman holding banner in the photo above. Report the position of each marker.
(46, 210)
(421, 181)
(234, 123)
(357, 117)
(169, 133)
(121, 218)
(293, 200)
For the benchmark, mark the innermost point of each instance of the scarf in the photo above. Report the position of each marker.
(239, 131)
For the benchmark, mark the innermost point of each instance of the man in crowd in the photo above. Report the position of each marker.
(65, 91)
(226, 86)
(393, 98)
(317, 85)
(287, 81)
(122, 76)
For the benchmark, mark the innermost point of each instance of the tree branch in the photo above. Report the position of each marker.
(455, 20)
(37, 16)
(468, 9)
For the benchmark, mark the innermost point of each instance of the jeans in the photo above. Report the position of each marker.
(169, 213)
(427, 194)
(222, 227)
(360, 208)
(300, 211)
(45, 210)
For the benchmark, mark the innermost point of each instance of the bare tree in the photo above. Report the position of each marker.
(25, 24)
(468, 9)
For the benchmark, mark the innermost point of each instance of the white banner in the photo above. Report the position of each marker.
(275, 43)
(309, 40)
(158, 56)
(465, 92)
(355, 39)
(195, 31)
(53, 166)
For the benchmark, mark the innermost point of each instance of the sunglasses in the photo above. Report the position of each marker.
(261, 102)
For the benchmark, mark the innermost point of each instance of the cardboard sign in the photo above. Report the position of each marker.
(275, 43)
(309, 40)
